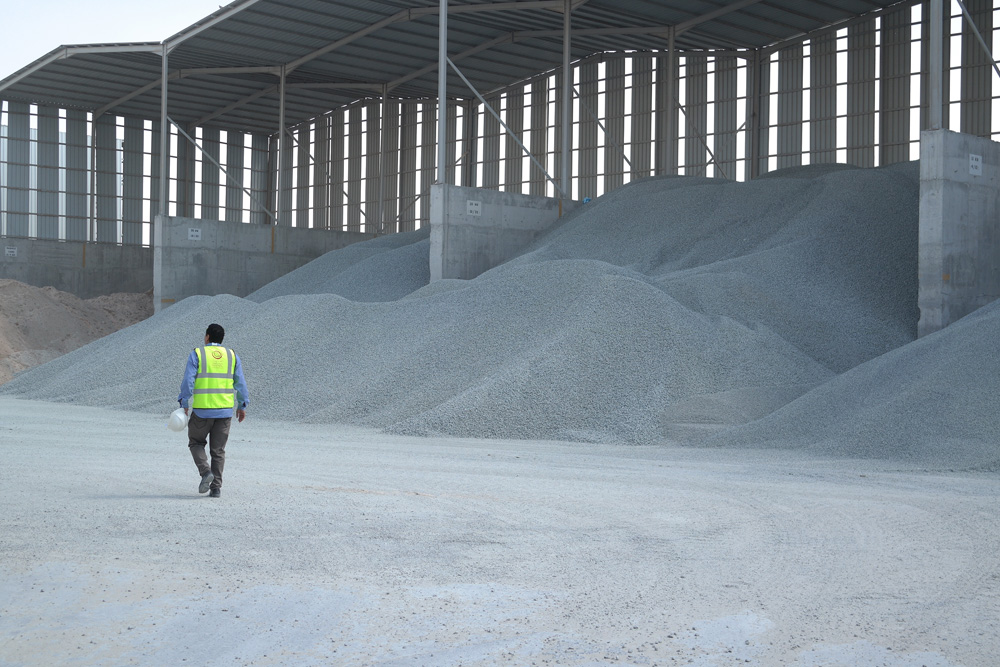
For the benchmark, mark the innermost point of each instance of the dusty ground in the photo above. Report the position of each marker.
(340, 546)
(38, 324)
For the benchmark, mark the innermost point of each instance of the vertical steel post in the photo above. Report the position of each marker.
(164, 134)
(935, 83)
(442, 107)
(383, 162)
(282, 148)
(670, 144)
(92, 223)
(567, 100)
(754, 125)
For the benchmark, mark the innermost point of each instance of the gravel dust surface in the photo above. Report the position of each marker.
(340, 545)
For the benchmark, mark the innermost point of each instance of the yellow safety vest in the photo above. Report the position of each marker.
(213, 384)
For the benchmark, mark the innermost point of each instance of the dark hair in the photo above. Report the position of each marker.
(215, 333)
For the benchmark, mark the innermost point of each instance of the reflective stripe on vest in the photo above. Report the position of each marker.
(213, 384)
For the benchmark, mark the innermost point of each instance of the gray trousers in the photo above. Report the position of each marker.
(215, 433)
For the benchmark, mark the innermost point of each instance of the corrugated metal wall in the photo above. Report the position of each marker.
(48, 173)
(842, 95)
(18, 169)
(823, 99)
(640, 139)
(77, 171)
(727, 99)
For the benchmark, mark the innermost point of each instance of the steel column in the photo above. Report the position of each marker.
(380, 220)
(758, 63)
(936, 64)
(442, 106)
(164, 133)
(567, 106)
(666, 123)
(282, 151)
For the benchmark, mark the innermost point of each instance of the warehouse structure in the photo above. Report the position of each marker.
(296, 127)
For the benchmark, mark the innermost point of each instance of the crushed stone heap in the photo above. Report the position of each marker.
(674, 309)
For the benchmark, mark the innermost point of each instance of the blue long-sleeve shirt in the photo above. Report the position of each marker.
(187, 388)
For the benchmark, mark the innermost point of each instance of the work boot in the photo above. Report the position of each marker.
(206, 481)
(215, 493)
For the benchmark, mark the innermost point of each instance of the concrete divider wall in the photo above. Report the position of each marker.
(84, 269)
(192, 256)
(473, 230)
(959, 256)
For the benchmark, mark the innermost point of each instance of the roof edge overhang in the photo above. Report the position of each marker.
(68, 51)
(208, 22)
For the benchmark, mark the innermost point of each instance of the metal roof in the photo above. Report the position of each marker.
(224, 69)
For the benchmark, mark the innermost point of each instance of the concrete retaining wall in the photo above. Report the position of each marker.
(192, 256)
(959, 217)
(84, 269)
(473, 230)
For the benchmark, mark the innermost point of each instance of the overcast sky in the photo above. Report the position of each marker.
(32, 28)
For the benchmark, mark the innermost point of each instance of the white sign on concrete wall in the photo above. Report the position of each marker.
(12, 251)
(473, 207)
(194, 234)
(975, 164)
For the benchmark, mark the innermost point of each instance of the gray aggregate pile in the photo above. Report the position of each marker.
(385, 268)
(931, 402)
(670, 309)
(824, 256)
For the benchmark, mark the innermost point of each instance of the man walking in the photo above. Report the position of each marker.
(212, 375)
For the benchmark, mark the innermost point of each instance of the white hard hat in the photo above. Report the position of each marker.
(178, 420)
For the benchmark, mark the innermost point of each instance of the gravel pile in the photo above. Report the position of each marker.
(359, 272)
(932, 402)
(669, 309)
(826, 257)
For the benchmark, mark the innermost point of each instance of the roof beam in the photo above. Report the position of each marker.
(378, 25)
(236, 105)
(710, 16)
(335, 86)
(196, 71)
(134, 94)
(491, 7)
(502, 39)
(181, 74)
(413, 14)
(274, 89)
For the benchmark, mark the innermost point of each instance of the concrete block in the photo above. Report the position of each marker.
(84, 269)
(473, 230)
(210, 257)
(959, 252)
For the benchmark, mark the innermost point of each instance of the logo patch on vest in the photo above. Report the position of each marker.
(216, 354)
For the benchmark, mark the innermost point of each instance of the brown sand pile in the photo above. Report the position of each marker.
(38, 324)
